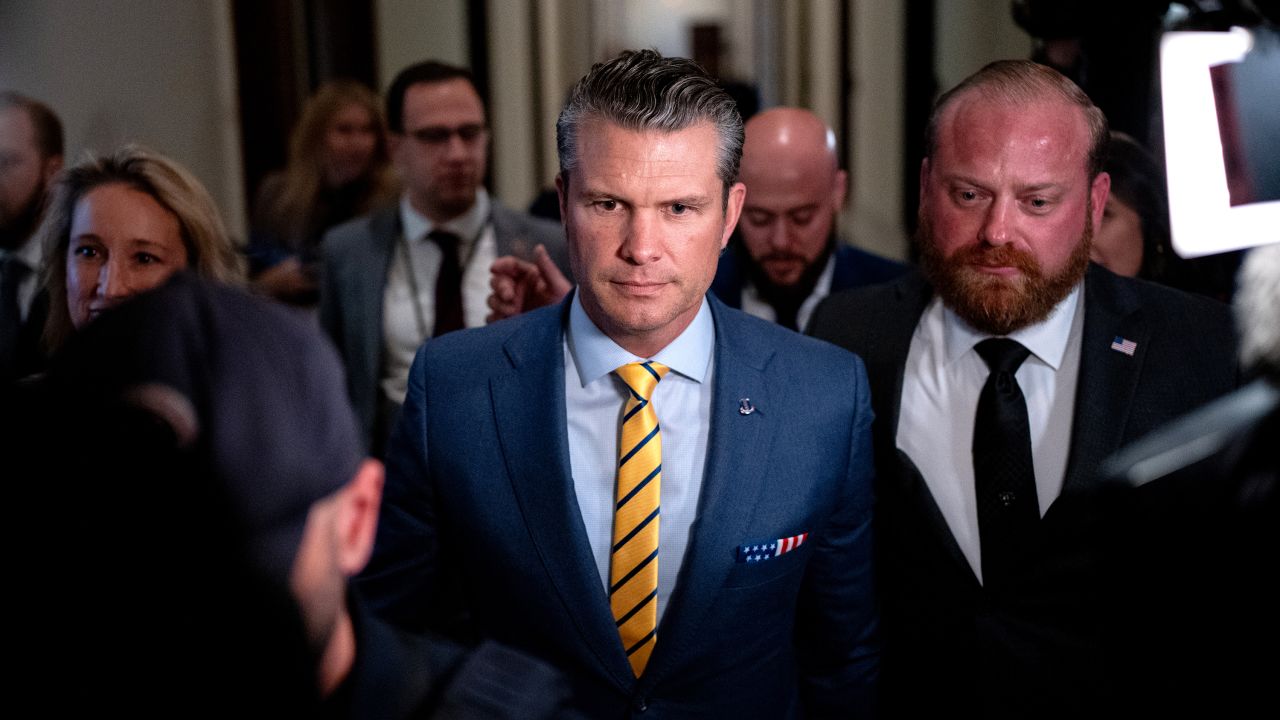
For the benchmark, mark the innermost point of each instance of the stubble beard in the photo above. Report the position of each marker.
(999, 305)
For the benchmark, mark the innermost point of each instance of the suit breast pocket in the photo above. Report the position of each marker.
(753, 574)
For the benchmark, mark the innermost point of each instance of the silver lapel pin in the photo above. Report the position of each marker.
(745, 407)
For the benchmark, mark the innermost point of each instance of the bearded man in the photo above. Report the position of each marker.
(1001, 376)
(30, 156)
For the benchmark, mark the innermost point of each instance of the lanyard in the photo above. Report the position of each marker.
(420, 312)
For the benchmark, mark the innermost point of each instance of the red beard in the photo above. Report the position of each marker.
(999, 305)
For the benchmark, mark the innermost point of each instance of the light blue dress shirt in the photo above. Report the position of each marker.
(594, 400)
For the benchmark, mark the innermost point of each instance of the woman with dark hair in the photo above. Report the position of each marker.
(338, 169)
(1134, 237)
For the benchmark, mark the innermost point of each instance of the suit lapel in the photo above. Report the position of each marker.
(738, 449)
(1108, 378)
(529, 409)
(886, 368)
(371, 282)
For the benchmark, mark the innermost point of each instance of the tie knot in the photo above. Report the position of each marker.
(1002, 354)
(445, 239)
(643, 377)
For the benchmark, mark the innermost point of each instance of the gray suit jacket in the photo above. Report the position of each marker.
(356, 259)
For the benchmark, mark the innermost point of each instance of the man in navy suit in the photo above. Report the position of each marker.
(989, 588)
(500, 499)
(786, 255)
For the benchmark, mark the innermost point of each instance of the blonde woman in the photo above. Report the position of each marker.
(120, 224)
(338, 169)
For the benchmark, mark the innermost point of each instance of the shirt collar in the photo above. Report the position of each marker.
(596, 355)
(30, 253)
(1046, 339)
(466, 226)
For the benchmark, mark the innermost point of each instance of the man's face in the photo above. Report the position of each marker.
(24, 173)
(791, 205)
(646, 220)
(442, 154)
(1007, 210)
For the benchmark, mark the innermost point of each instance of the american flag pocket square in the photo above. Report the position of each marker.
(765, 549)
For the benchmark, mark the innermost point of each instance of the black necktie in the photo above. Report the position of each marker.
(448, 283)
(1003, 472)
(12, 272)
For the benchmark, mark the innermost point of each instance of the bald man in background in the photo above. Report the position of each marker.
(787, 255)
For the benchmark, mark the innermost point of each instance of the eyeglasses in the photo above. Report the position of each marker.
(439, 134)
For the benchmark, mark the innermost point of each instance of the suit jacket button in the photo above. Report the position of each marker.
(640, 705)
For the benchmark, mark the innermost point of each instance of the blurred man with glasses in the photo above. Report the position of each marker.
(398, 277)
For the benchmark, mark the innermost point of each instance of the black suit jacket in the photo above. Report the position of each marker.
(1033, 650)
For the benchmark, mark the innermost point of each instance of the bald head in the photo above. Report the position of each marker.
(795, 188)
(788, 142)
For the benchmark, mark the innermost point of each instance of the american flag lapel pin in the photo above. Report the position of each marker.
(1124, 345)
(754, 552)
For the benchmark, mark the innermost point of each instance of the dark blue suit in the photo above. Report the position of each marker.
(853, 268)
(493, 506)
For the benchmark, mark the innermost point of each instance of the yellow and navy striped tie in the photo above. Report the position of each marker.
(633, 563)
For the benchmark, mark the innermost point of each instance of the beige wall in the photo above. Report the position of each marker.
(413, 30)
(147, 71)
(163, 73)
(973, 33)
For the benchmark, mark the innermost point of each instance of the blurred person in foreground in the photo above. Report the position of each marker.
(339, 168)
(122, 223)
(239, 482)
(1192, 538)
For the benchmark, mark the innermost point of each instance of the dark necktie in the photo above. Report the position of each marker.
(448, 283)
(1003, 471)
(12, 272)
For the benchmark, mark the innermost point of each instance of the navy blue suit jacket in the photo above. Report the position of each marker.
(479, 492)
(853, 268)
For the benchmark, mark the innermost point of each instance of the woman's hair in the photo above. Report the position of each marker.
(210, 251)
(304, 177)
(1137, 180)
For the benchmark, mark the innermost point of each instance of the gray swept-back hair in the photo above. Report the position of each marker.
(1021, 82)
(642, 90)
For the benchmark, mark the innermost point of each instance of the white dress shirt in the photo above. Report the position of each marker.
(401, 333)
(594, 400)
(944, 376)
(753, 304)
